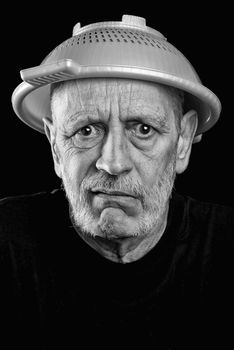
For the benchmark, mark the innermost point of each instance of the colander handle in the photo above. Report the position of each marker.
(50, 73)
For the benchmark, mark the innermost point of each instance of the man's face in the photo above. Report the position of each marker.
(115, 147)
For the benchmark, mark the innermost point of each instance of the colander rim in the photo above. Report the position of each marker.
(202, 93)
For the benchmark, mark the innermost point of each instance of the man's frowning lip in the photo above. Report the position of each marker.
(113, 193)
(126, 201)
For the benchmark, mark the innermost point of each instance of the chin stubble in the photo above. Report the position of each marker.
(154, 201)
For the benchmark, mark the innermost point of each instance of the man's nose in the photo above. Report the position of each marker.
(115, 158)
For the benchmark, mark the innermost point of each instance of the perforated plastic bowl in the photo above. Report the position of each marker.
(126, 49)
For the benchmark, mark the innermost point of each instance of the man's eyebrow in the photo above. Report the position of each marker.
(158, 119)
(79, 116)
(155, 114)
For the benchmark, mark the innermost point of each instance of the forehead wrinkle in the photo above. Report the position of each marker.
(138, 100)
(86, 97)
(76, 105)
(74, 97)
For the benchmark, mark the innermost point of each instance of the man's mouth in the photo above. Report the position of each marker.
(126, 201)
(113, 193)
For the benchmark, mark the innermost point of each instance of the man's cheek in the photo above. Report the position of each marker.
(70, 167)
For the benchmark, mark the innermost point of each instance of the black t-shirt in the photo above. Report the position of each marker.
(57, 292)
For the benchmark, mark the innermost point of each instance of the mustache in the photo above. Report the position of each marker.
(107, 182)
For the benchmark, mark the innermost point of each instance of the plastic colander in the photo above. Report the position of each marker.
(126, 49)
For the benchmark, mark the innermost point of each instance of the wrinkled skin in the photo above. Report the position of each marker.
(117, 148)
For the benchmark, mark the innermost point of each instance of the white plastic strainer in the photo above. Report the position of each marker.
(126, 49)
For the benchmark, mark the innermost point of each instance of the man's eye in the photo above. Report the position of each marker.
(142, 130)
(145, 129)
(87, 130)
(90, 131)
(88, 136)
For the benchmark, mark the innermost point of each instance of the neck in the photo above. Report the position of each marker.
(127, 249)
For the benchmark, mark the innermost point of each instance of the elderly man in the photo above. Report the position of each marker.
(123, 260)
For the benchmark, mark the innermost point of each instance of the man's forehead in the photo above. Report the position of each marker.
(131, 96)
(101, 88)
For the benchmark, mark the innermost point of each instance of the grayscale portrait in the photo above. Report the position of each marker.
(115, 256)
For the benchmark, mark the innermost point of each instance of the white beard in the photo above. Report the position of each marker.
(154, 201)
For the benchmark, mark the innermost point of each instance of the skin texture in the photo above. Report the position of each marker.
(117, 148)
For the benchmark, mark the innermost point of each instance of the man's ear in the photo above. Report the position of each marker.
(188, 129)
(50, 133)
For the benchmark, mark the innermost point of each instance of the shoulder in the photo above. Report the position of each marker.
(214, 217)
(204, 215)
(207, 232)
(19, 214)
(16, 207)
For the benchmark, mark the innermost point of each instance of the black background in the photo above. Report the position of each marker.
(201, 32)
